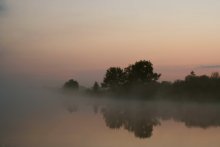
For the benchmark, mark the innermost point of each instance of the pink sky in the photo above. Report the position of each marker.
(66, 38)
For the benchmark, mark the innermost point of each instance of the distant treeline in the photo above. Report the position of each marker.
(139, 80)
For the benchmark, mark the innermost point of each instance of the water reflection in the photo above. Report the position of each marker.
(141, 117)
(72, 108)
(139, 122)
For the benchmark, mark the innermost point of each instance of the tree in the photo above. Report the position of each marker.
(71, 84)
(96, 87)
(114, 78)
(191, 76)
(215, 75)
(141, 72)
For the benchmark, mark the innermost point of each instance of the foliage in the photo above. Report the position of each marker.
(140, 81)
(114, 78)
(71, 84)
(196, 87)
(96, 87)
(215, 75)
(141, 72)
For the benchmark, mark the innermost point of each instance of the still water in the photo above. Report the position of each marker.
(45, 118)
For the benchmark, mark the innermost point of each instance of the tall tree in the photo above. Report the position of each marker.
(114, 78)
(96, 87)
(141, 72)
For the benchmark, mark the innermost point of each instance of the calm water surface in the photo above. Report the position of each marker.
(45, 118)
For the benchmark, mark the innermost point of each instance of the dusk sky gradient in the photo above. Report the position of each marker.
(62, 38)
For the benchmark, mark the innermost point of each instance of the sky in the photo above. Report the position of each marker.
(82, 38)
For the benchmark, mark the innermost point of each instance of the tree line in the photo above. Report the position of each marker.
(140, 81)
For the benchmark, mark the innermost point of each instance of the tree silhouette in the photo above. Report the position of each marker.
(139, 80)
(215, 75)
(96, 87)
(114, 78)
(136, 74)
(71, 84)
(191, 76)
(141, 72)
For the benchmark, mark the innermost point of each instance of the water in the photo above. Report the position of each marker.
(40, 117)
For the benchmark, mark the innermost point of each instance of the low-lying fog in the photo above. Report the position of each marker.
(34, 114)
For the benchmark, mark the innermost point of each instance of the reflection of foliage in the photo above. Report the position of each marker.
(95, 109)
(141, 125)
(142, 119)
(202, 116)
(72, 108)
(113, 118)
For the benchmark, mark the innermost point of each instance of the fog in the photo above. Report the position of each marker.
(30, 103)
(22, 99)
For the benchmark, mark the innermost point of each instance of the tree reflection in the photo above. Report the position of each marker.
(203, 116)
(142, 127)
(113, 118)
(72, 108)
(140, 123)
(140, 118)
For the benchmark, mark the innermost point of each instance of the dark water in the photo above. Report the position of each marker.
(40, 117)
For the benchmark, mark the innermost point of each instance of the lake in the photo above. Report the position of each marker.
(46, 118)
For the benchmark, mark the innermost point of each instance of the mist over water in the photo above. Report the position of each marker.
(33, 114)
(79, 73)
